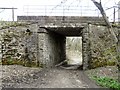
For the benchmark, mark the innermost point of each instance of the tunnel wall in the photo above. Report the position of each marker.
(51, 48)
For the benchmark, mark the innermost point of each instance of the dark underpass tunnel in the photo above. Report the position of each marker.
(67, 47)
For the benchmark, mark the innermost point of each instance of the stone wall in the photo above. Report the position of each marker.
(85, 48)
(18, 43)
(31, 43)
(51, 47)
(102, 46)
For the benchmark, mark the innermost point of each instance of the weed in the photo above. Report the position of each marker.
(107, 82)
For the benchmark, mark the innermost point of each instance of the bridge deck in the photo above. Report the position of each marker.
(65, 25)
(66, 29)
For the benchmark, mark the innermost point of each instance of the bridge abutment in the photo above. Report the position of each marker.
(85, 48)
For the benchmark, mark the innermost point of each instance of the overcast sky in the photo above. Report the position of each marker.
(36, 7)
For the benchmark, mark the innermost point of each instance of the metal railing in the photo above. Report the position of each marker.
(4, 13)
(64, 10)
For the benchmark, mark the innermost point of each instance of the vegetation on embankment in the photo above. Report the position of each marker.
(103, 51)
(107, 57)
(107, 82)
(106, 76)
(7, 24)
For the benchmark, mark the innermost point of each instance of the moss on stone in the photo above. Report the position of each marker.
(20, 62)
(12, 24)
(107, 58)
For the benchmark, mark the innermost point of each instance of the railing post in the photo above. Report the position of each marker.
(12, 14)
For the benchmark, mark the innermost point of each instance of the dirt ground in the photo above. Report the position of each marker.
(45, 78)
(16, 76)
(107, 71)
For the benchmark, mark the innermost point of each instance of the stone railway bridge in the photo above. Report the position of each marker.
(52, 32)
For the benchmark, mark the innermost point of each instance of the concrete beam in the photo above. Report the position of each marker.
(66, 31)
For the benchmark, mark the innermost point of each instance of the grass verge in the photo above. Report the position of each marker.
(107, 82)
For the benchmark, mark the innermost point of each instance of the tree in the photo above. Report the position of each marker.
(99, 6)
(118, 49)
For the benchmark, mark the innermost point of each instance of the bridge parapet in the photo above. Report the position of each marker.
(61, 19)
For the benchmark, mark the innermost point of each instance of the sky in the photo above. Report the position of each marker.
(55, 8)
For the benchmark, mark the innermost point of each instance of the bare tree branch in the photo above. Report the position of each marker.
(99, 6)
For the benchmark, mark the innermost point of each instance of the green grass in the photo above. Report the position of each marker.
(107, 82)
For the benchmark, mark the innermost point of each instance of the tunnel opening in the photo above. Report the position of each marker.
(73, 53)
(57, 51)
(74, 50)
